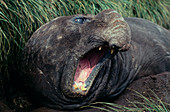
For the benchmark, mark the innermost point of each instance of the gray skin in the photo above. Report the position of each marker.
(51, 56)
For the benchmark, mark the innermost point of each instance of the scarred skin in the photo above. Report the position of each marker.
(52, 54)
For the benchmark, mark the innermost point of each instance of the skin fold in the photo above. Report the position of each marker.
(125, 49)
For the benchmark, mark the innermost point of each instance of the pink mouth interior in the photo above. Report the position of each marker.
(86, 65)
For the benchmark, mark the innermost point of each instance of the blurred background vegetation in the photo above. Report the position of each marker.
(20, 18)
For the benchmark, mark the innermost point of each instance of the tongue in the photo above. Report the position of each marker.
(83, 70)
(86, 65)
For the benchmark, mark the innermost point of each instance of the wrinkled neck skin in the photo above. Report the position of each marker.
(121, 74)
(122, 71)
(118, 73)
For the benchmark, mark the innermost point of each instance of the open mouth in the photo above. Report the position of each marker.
(84, 75)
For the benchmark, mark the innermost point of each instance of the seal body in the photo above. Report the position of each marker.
(75, 60)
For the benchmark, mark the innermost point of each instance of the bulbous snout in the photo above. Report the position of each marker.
(117, 33)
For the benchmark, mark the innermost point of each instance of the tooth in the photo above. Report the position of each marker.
(83, 89)
(75, 86)
(111, 51)
(80, 83)
(100, 48)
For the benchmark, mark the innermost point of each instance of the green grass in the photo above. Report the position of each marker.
(147, 104)
(20, 18)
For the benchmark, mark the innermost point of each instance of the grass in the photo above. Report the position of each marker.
(20, 18)
(147, 104)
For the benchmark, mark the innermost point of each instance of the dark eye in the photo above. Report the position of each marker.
(80, 20)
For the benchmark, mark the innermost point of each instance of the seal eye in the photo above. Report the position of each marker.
(80, 20)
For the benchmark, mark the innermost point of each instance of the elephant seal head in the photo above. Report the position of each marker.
(67, 61)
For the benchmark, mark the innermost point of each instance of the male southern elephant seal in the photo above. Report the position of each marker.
(75, 60)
